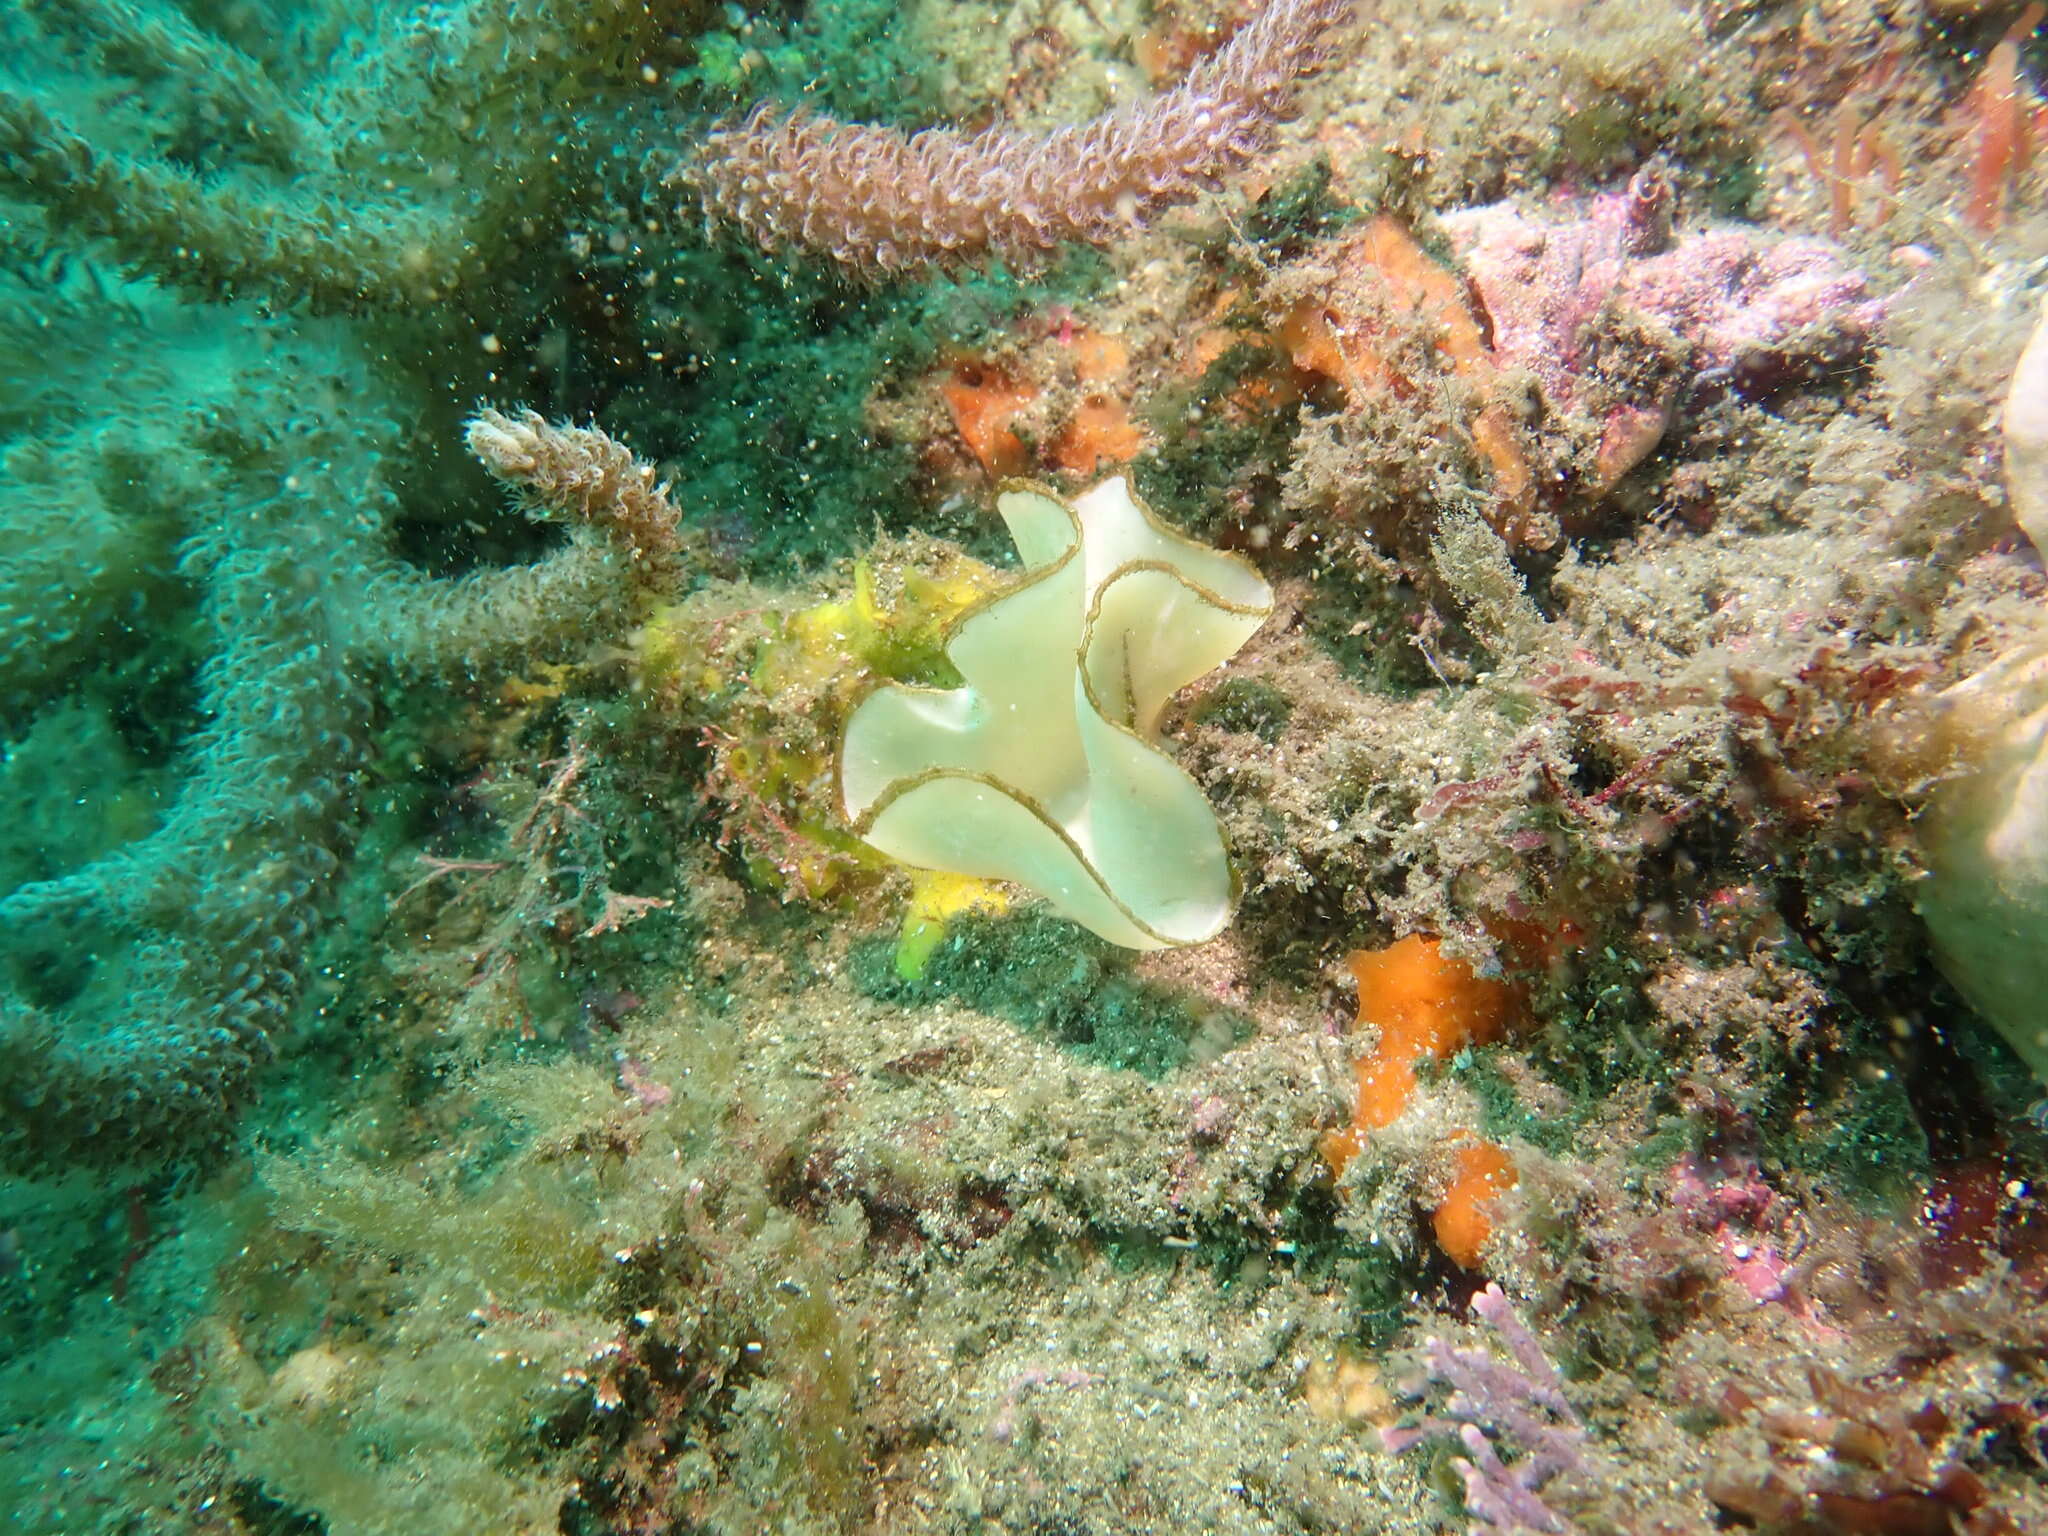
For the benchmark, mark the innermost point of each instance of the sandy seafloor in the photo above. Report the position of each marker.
(462, 1074)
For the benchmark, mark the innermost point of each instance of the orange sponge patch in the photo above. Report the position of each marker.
(1099, 358)
(1352, 348)
(1428, 1006)
(1464, 1220)
(984, 404)
(1101, 432)
(1009, 417)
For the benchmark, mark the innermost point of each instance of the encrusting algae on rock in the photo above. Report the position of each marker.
(768, 684)
(1560, 547)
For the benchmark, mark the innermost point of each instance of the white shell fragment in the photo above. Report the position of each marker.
(1044, 769)
(2024, 426)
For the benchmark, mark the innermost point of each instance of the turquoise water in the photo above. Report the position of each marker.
(1469, 956)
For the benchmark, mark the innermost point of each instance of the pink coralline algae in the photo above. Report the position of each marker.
(1758, 1232)
(1512, 1396)
(1618, 316)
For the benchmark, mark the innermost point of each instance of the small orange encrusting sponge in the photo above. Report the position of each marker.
(1427, 1005)
(1464, 1220)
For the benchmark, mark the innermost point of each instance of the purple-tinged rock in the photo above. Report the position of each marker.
(1619, 317)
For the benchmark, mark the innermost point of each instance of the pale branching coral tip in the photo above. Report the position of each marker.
(1044, 768)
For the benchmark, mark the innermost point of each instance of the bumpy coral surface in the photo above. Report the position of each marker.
(878, 201)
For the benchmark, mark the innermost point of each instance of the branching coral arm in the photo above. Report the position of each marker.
(584, 474)
(161, 45)
(625, 541)
(878, 201)
(191, 940)
(213, 241)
